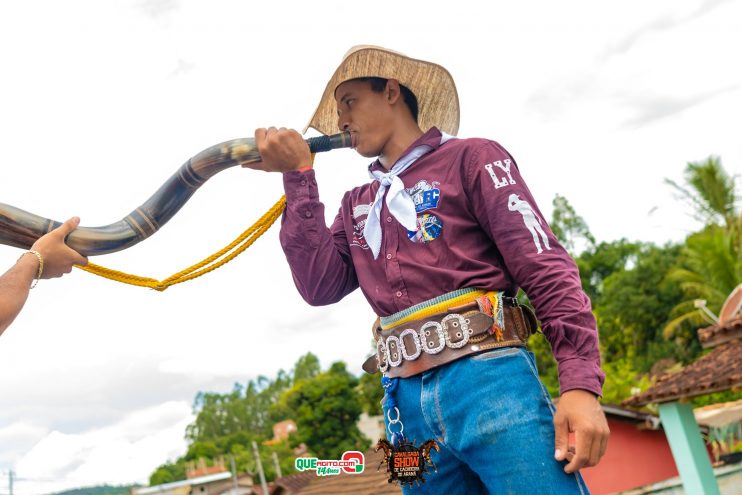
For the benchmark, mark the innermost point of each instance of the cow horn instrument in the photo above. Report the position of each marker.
(20, 228)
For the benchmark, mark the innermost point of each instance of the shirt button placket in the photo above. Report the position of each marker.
(393, 272)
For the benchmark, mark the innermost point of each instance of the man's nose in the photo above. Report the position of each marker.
(343, 124)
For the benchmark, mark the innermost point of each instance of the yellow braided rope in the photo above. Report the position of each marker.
(213, 262)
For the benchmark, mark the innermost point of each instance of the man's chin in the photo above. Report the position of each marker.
(367, 153)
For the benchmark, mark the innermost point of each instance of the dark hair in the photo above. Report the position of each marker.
(378, 84)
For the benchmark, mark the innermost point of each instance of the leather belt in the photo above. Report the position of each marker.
(417, 346)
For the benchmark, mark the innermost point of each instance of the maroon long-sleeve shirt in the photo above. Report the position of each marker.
(479, 227)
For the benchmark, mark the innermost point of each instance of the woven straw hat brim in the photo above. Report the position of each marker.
(438, 100)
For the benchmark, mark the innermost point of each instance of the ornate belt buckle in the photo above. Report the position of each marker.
(394, 356)
(429, 346)
(459, 326)
(415, 340)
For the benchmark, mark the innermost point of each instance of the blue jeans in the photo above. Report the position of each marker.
(492, 418)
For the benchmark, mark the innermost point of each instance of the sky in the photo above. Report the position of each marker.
(101, 101)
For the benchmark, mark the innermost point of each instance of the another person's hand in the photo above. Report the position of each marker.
(281, 150)
(58, 257)
(579, 412)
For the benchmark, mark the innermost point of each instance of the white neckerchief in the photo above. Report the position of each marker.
(398, 200)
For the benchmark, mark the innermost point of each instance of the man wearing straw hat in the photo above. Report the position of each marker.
(439, 242)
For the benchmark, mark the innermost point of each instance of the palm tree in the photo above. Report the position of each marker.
(711, 193)
(711, 265)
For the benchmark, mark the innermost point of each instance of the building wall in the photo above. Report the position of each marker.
(634, 458)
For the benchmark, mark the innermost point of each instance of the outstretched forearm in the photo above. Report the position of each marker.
(49, 257)
(14, 287)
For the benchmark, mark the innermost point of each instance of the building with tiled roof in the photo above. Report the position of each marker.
(720, 369)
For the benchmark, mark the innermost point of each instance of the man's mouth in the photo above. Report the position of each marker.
(353, 139)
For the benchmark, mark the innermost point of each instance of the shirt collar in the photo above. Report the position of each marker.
(431, 138)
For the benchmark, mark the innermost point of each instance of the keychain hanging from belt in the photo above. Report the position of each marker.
(405, 463)
(390, 386)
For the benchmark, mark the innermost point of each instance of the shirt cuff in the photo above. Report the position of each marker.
(300, 186)
(581, 374)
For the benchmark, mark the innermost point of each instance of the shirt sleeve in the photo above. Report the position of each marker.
(538, 263)
(319, 257)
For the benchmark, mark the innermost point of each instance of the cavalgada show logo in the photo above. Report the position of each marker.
(351, 462)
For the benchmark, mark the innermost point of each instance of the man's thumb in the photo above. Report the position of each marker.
(69, 226)
(561, 437)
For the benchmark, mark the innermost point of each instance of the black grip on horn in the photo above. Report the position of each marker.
(327, 143)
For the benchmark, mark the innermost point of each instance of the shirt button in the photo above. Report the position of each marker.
(388, 256)
(308, 214)
(303, 182)
(399, 293)
(388, 219)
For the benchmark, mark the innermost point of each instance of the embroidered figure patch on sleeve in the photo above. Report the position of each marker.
(530, 219)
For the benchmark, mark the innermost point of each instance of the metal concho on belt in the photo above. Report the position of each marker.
(453, 331)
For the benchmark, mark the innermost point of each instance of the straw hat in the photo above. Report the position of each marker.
(437, 99)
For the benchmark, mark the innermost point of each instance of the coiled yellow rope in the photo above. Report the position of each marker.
(213, 262)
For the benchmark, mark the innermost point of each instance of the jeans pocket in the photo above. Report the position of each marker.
(495, 354)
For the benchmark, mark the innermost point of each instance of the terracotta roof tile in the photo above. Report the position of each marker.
(718, 334)
(292, 483)
(720, 369)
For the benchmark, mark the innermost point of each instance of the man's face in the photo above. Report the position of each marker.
(366, 114)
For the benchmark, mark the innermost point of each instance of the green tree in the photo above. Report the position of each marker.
(633, 307)
(711, 193)
(570, 228)
(168, 472)
(370, 393)
(202, 450)
(326, 410)
(245, 459)
(306, 367)
(244, 409)
(622, 381)
(229, 423)
(711, 265)
(602, 260)
(709, 269)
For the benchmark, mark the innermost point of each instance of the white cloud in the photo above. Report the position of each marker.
(123, 452)
(18, 437)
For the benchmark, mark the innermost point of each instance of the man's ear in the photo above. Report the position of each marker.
(392, 91)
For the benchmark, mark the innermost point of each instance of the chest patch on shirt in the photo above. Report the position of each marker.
(429, 227)
(425, 195)
(360, 213)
